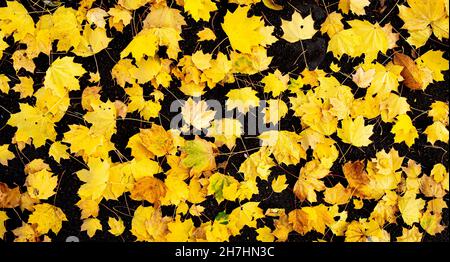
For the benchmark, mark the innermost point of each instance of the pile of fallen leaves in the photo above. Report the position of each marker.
(178, 187)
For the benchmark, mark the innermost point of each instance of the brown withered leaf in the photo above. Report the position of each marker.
(150, 189)
(410, 72)
(431, 188)
(9, 197)
(356, 176)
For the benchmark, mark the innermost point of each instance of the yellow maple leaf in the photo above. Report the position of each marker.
(332, 24)
(52, 105)
(275, 83)
(242, 99)
(225, 131)
(265, 234)
(96, 179)
(177, 191)
(282, 228)
(365, 230)
(92, 41)
(363, 78)
(373, 38)
(404, 130)
(392, 106)
(25, 87)
(298, 28)
(88, 208)
(434, 61)
(385, 79)
(3, 218)
(91, 225)
(437, 132)
(431, 223)
(5, 155)
(276, 110)
(157, 140)
(41, 184)
(201, 60)
(15, 20)
(4, 86)
(245, 215)
(180, 231)
(206, 34)
(197, 114)
(103, 119)
(309, 181)
(337, 195)
(345, 42)
(61, 76)
(146, 108)
(47, 217)
(310, 218)
(58, 151)
(284, 145)
(196, 210)
(354, 132)
(423, 18)
(84, 143)
(96, 16)
(410, 208)
(25, 233)
(242, 31)
(144, 43)
(222, 187)
(279, 184)
(116, 226)
(148, 224)
(199, 9)
(119, 18)
(439, 112)
(430, 188)
(161, 16)
(356, 6)
(32, 123)
(410, 235)
(340, 225)
(257, 164)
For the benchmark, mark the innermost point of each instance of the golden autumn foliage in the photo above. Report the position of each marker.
(87, 98)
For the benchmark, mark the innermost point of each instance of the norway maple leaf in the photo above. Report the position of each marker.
(355, 132)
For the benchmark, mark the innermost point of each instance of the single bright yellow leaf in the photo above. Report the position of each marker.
(404, 130)
(47, 217)
(91, 225)
(279, 184)
(298, 28)
(5, 155)
(116, 226)
(354, 132)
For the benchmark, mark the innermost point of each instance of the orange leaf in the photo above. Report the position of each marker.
(150, 189)
(9, 197)
(410, 72)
